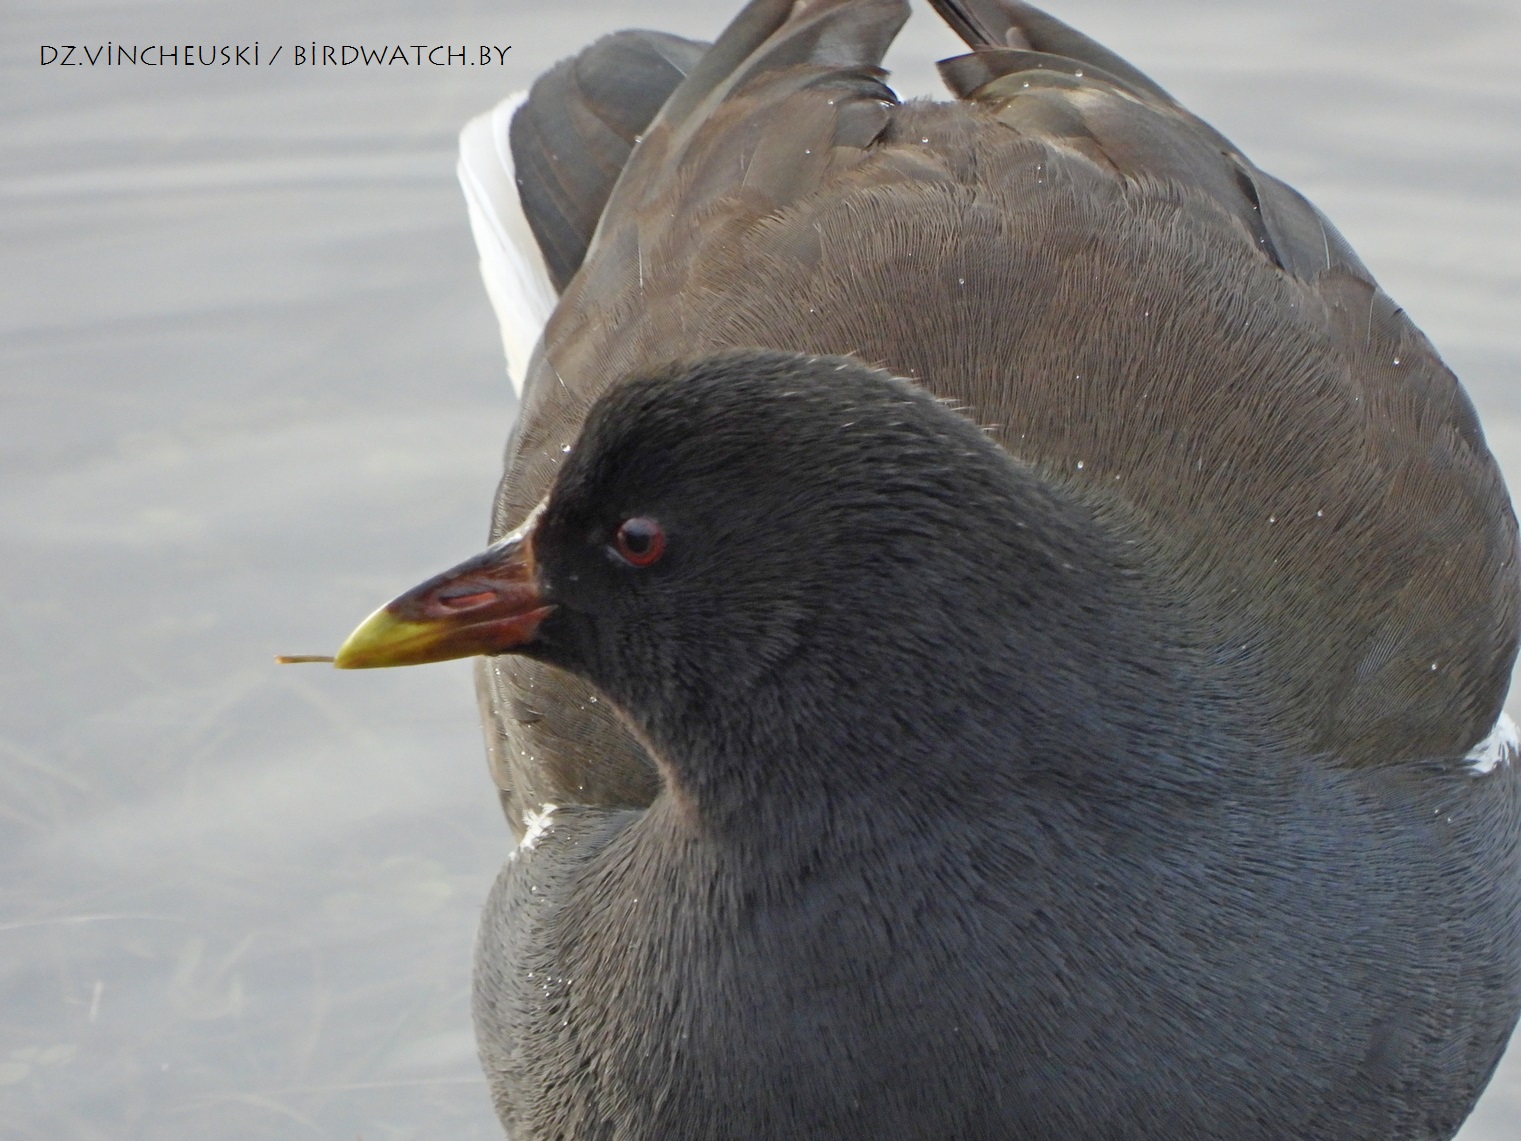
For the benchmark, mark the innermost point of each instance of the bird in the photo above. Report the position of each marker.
(995, 625)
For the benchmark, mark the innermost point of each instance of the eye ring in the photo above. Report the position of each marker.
(640, 541)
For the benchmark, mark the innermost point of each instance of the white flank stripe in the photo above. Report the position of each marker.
(511, 264)
(535, 824)
(1498, 748)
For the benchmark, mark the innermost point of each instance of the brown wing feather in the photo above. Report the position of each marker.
(1304, 477)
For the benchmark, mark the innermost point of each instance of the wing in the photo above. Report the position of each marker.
(1042, 77)
(1339, 479)
(1121, 297)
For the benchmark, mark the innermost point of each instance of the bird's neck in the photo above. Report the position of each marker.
(1074, 690)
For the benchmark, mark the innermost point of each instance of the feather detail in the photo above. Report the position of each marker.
(1499, 748)
(511, 265)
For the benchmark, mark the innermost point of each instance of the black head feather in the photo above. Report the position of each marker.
(849, 565)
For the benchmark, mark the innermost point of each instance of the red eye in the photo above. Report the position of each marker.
(640, 541)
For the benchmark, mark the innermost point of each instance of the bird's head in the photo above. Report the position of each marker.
(800, 544)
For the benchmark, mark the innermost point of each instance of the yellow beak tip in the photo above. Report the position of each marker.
(384, 640)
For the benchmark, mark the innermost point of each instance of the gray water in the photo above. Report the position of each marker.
(252, 387)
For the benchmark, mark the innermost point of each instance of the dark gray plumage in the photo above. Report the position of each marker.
(1096, 773)
(962, 835)
(573, 136)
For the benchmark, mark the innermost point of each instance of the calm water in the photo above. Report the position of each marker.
(252, 387)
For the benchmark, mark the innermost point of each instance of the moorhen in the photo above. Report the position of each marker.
(997, 626)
